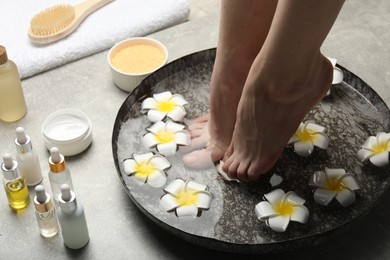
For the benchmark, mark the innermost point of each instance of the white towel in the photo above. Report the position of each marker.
(103, 28)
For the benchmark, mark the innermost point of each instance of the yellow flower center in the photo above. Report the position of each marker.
(381, 147)
(305, 135)
(186, 198)
(334, 184)
(284, 208)
(164, 137)
(166, 106)
(145, 168)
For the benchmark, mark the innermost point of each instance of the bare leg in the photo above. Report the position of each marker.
(244, 26)
(288, 77)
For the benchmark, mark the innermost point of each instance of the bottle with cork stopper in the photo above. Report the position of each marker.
(12, 103)
(59, 173)
(28, 160)
(45, 213)
(14, 186)
(72, 219)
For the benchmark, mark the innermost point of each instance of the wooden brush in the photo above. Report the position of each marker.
(56, 22)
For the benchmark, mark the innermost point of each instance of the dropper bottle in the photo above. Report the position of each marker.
(59, 174)
(14, 186)
(28, 160)
(12, 103)
(45, 213)
(72, 219)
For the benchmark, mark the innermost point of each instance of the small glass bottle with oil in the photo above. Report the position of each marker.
(14, 185)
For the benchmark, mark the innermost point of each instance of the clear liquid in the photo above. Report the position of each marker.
(12, 103)
(47, 223)
(17, 194)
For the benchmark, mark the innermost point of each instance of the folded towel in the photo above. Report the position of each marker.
(103, 28)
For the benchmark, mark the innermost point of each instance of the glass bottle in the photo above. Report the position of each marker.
(59, 174)
(72, 219)
(27, 157)
(45, 213)
(14, 186)
(12, 103)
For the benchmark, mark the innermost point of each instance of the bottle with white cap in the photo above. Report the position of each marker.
(14, 186)
(27, 157)
(72, 219)
(45, 213)
(59, 173)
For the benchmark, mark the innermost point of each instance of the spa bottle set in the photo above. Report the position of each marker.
(12, 103)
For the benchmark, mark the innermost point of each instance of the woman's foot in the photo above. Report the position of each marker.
(271, 107)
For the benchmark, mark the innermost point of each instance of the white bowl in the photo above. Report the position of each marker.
(69, 130)
(127, 81)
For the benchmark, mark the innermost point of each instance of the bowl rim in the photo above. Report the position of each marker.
(133, 39)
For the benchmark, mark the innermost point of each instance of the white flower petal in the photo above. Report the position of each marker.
(174, 126)
(140, 158)
(345, 197)
(370, 141)
(334, 173)
(169, 202)
(195, 186)
(364, 154)
(274, 196)
(278, 223)
(167, 149)
(160, 162)
(149, 140)
(319, 179)
(148, 103)
(293, 139)
(264, 210)
(190, 211)
(157, 179)
(204, 200)
(175, 187)
(157, 127)
(380, 160)
(155, 115)
(300, 214)
(324, 196)
(383, 137)
(177, 114)
(314, 127)
(338, 76)
(140, 178)
(350, 182)
(178, 99)
(303, 148)
(293, 198)
(182, 137)
(129, 166)
(162, 95)
(321, 140)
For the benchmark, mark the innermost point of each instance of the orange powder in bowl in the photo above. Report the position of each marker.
(138, 58)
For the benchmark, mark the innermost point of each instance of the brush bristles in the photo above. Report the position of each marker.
(52, 20)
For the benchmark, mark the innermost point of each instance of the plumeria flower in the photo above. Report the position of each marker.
(280, 208)
(187, 198)
(147, 168)
(334, 183)
(164, 105)
(166, 136)
(376, 149)
(307, 136)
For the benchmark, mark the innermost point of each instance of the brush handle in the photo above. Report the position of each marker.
(83, 9)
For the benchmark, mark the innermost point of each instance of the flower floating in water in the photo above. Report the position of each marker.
(281, 208)
(164, 105)
(334, 183)
(147, 168)
(186, 198)
(307, 136)
(376, 149)
(166, 136)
